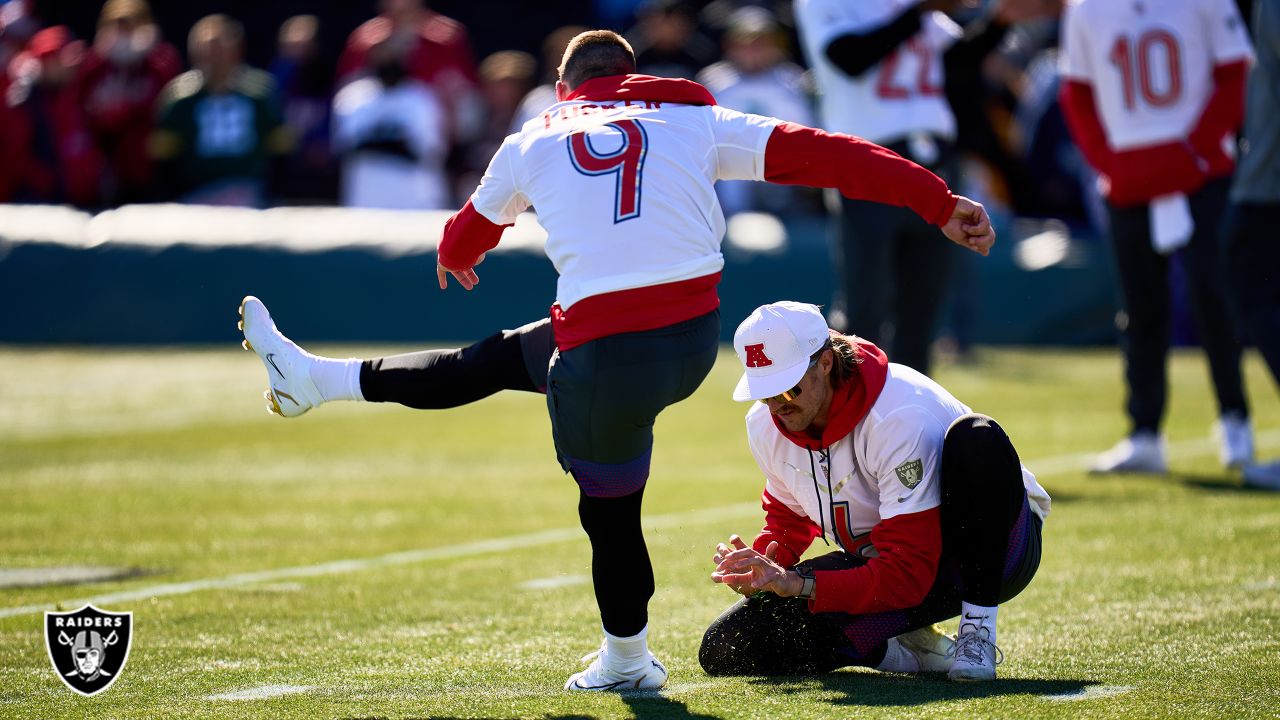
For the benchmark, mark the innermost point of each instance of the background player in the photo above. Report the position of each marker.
(621, 171)
(1152, 92)
(933, 512)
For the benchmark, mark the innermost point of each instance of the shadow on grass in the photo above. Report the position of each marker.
(849, 688)
(885, 690)
(1221, 483)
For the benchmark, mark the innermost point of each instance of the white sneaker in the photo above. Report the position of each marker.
(931, 648)
(1235, 438)
(1142, 452)
(1265, 476)
(291, 391)
(600, 677)
(976, 656)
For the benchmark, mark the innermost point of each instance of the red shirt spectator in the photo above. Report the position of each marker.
(119, 82)
(437, 51)
(53, 157)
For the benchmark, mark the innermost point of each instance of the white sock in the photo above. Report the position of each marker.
(898, 659)
(337, 379)
(627, 654)
(979, 617)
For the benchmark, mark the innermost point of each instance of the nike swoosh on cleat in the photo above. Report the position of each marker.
(578, 684)
(271, 359)
(286, 396)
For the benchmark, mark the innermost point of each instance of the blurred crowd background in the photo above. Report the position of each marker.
(400, 103)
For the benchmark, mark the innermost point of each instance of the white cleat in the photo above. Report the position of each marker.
(1235, 438)
(600, 677)
(290, 389)
(976, 656)
(1142, 452)
(1264, 476)
(931, 648)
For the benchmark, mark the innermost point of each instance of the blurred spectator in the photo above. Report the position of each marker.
(219, 127)
(544, 96)
(879, 66)
(505, 77)
(121, 78)
(437, 52)
(1153, 94)
(51, 152)
(304, 81)
(755, 77)
(667, 42)
(1253, 254)
(390, 130)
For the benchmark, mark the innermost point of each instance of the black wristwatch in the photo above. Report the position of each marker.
(810, 582)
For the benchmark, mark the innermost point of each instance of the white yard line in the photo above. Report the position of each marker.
(262, 692)
(554, 582)
(1092, 692)
(1042, 468)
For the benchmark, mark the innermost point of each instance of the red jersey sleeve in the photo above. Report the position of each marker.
(793, 532)
(467, 236)
(1081, 113)
(1222, 116)
(859, 169)
(909, 547)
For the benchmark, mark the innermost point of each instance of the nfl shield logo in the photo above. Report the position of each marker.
(88, 647)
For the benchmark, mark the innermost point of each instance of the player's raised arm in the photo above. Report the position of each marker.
(862, 170)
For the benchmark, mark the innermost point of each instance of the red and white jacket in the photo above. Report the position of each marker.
(870, 483)
(621, 175)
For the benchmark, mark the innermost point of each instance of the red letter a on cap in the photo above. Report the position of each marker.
(756, 356)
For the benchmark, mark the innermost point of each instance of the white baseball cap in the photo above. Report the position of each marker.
(774, 344)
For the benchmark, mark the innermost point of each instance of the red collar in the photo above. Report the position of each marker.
(852, 401)
(642, 87)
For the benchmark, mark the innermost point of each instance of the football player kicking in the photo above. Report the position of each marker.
(932, 511)
(621, 171)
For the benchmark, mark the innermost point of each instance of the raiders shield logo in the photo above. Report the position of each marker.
(910, 473)
(88, 647)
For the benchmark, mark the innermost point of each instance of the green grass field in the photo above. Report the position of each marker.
(467, 592)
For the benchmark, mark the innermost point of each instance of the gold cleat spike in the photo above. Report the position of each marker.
(273, 405)
(240, 325)
(245, 344)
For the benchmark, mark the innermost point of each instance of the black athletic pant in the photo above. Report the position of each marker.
(1144, 279)
(1253, 277)
(893, 271)
(990, 552)
(436, 379)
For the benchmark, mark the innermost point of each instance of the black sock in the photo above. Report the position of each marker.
(620, 566)
(435, 379)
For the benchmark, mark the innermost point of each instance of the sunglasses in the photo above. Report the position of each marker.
(793, 393)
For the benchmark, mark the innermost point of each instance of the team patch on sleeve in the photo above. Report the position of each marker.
(910, 473)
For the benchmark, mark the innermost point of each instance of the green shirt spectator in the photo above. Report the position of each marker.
(219, 126)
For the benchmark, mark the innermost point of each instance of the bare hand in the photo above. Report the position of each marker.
(970, 226)
(467, 277)
(748, 572)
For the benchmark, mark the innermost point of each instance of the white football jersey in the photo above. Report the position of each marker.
(889, 465)
(899, 96)
(624, 189)
(1150, 62)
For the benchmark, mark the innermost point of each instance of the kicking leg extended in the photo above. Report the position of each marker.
(430, 379)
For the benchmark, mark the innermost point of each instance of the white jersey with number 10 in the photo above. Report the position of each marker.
(1150, 62)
